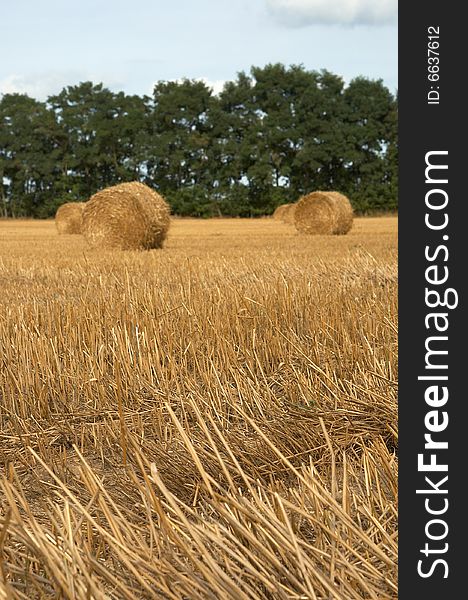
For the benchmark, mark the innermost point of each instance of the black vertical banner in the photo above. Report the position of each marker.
(433, 268)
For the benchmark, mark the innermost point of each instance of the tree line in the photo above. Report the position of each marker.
(270, 136)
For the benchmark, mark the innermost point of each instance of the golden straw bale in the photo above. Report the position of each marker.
(129, 216)
(69, 216)
(345, 212)
(288, 214)
(326, 213)
(279, 211)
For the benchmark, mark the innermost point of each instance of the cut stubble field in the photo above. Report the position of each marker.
(216, 419)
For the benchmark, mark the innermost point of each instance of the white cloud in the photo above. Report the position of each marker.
(300, 13)
(40, 86)
(18, 84)
(216, 85)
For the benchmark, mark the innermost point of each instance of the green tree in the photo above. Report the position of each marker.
(269, 137)
(236, 126)
(31, 147)
(371, 157)
(103, 130)
(178, 147)
(287, 100)
(318, 162)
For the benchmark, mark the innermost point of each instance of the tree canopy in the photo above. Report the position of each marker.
(270, 136)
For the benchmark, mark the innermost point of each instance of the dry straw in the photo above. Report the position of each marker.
(129, 216)
(288, 214)
(68, 218)
(285, 213)
(279, 211)
(324, 213)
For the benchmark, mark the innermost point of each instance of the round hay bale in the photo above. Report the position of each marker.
(128, 216)
(277, 212)
(288, 214)
(69, 217)
(277, 215)
(345, 212)
(326, 213)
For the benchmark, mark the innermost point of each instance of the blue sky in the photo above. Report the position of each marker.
(129, 45)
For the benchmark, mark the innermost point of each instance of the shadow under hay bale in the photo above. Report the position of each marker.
(325, 213)
(128, 216)
(68, 218)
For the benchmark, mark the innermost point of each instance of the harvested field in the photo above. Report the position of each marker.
(214, 419)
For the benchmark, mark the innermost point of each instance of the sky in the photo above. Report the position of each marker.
(130, 44)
